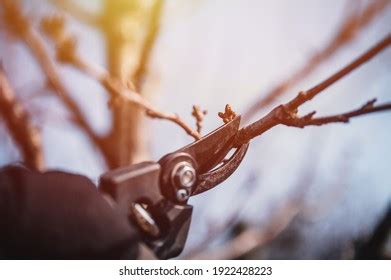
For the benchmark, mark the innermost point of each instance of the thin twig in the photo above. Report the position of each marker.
(367, 108)
(348, 30)
(286, 114)
(19, 124)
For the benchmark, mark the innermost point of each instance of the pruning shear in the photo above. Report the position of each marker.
(154, 195)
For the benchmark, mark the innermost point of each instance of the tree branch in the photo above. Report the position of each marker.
(286, 114)
(19, 124)
(118, 90)
(348, 30)
(20, 26)
(367, 108)
(66, 53)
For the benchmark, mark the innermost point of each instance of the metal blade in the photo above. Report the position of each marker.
(211, 149)
(213, 178)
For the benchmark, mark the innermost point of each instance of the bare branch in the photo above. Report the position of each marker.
(22, 28)
(78, 12)
(367, 108)
(287, 113)
(120, 91)
(348, 30)
(153, 113)
(117, 89)
(66, 53)
(20, 126)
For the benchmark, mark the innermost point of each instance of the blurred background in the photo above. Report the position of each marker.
(313, 193)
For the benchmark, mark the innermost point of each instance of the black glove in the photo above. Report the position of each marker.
(57, 215)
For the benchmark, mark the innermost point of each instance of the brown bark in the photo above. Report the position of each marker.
(129, 28)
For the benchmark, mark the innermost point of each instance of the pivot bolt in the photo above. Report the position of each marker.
(183, 175)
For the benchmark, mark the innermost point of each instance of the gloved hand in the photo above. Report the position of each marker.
(57, 215)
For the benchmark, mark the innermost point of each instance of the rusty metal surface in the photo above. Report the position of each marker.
(211, 149)
(213, 178)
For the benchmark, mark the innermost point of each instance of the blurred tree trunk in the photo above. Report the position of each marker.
(129, 27)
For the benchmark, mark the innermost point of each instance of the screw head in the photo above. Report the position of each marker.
(182, 195)
(183, 175)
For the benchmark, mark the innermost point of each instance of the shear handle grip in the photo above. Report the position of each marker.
(134, 183)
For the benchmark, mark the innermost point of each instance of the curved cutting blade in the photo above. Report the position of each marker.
(211, 149)
(211, 179)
